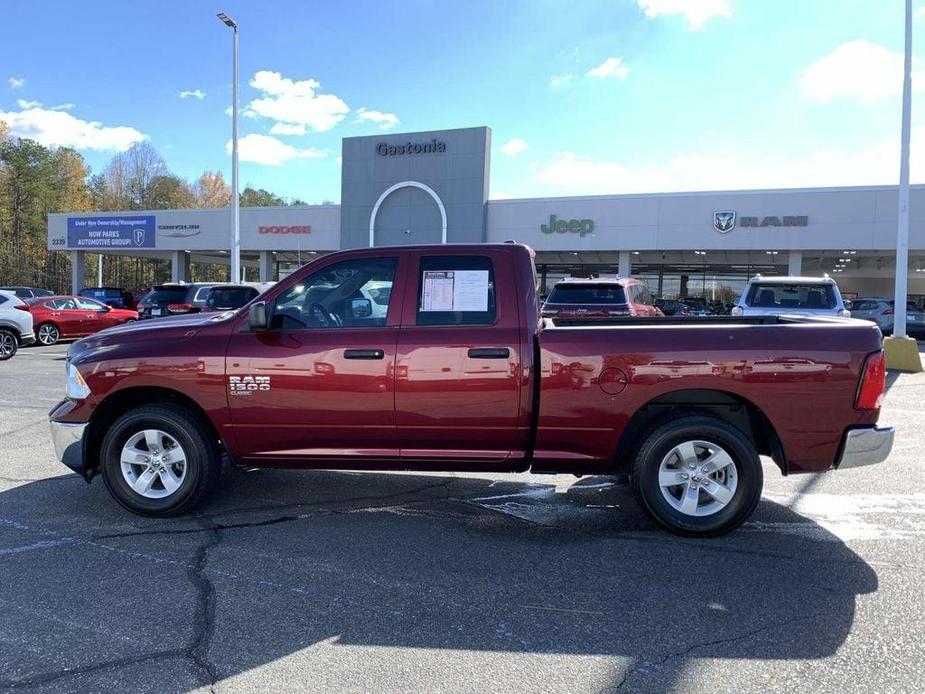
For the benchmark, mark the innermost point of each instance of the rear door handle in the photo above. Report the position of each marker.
(489, 353)
(364, 354)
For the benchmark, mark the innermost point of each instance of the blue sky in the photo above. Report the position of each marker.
(588, 97)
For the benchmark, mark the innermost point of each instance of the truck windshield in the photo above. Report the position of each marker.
(784, 296)
(576, 293)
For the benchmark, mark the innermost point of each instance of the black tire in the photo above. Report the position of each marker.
(47, 334)
(9, 344)
(659, 443)
(203, 459)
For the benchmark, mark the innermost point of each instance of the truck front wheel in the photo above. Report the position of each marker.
(698, 476)
(159, 460)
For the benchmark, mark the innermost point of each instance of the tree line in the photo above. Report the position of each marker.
(36, 180)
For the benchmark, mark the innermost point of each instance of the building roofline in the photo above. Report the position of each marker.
(703, 193)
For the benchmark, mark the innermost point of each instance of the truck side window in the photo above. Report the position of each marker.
(456, 290)
(351, 294)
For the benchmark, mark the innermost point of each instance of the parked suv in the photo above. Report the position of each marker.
(600, 298)
(173, 299)
(27, 292)
(880, 310)
(801, 296)
(15, 324)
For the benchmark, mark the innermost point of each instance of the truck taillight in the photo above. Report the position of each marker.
(888, 312)
(179, 308)
(873, 383)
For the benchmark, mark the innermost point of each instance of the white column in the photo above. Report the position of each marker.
(179, 266)
(77, 271)
(626, 264)
(267, 267)
(795, 266)
(902, 227)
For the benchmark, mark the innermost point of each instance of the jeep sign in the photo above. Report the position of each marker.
(582, 227)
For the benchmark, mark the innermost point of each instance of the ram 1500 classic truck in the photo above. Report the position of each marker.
(455, 369)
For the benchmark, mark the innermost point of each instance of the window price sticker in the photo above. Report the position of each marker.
(455, 290)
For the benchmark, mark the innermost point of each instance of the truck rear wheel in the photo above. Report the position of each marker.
(698, 476)
(159, 460)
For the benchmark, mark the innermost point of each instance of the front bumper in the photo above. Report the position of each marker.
(867, 446)
(68, 439)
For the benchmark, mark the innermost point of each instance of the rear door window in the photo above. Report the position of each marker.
(456, 290)
(167, 295)
(792, 296)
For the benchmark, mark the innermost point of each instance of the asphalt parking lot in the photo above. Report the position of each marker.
(339, 581)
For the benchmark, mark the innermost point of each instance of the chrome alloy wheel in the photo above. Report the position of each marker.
(49, 334)
(7, 344)
(698, 478)
(153, 464)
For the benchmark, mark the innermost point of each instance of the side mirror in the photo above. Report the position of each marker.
(257, 315)
(361, 308)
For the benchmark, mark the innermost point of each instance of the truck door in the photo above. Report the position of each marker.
(317, 387)
(459, 381)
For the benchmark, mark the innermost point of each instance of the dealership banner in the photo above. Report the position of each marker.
(124, 232)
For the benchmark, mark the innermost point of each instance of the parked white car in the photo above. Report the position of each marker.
(15, 325)
(880, 311)
(794, 296)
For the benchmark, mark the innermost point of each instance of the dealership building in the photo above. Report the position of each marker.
(432, 187)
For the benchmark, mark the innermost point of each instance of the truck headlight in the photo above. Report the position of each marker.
(77, 388)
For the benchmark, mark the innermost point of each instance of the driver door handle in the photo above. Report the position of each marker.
(364, 354)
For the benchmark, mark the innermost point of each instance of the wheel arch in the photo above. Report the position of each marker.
(730, 407)
(126, 399)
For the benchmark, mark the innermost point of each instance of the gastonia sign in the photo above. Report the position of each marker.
(582, 227)
(433, 147)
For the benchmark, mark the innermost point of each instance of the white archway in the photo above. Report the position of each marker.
(398, 186)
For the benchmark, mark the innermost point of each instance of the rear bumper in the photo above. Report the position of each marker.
(26, 339)
(867, 446)
(68, 439)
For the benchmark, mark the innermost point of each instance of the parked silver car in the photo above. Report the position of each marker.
(15, 324)
(801, 296)
(880, 310)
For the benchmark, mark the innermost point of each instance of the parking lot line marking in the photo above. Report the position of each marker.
(41, 544)
(562, 609)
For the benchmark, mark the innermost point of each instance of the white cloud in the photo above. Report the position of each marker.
(858, 70)
(57, 127)
(514, 146)
(384, 120)
(263, 149)
(16, 82)
(25, 103)
(612, 67)
(192, 93)
(295, 103)
(695, 12)
(287, 129)
(63, 107)
(877, 164)
(560, 80)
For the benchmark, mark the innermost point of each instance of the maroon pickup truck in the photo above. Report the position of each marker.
(437, 358)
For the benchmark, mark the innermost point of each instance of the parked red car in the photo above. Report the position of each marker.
(599, 298)
(57, 317)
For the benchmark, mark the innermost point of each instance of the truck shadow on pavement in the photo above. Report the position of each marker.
(324, 581)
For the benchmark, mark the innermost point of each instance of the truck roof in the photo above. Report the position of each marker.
(777, 279)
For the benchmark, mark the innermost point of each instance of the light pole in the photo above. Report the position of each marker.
(235, 212)
(902, 231)
(901, 351)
